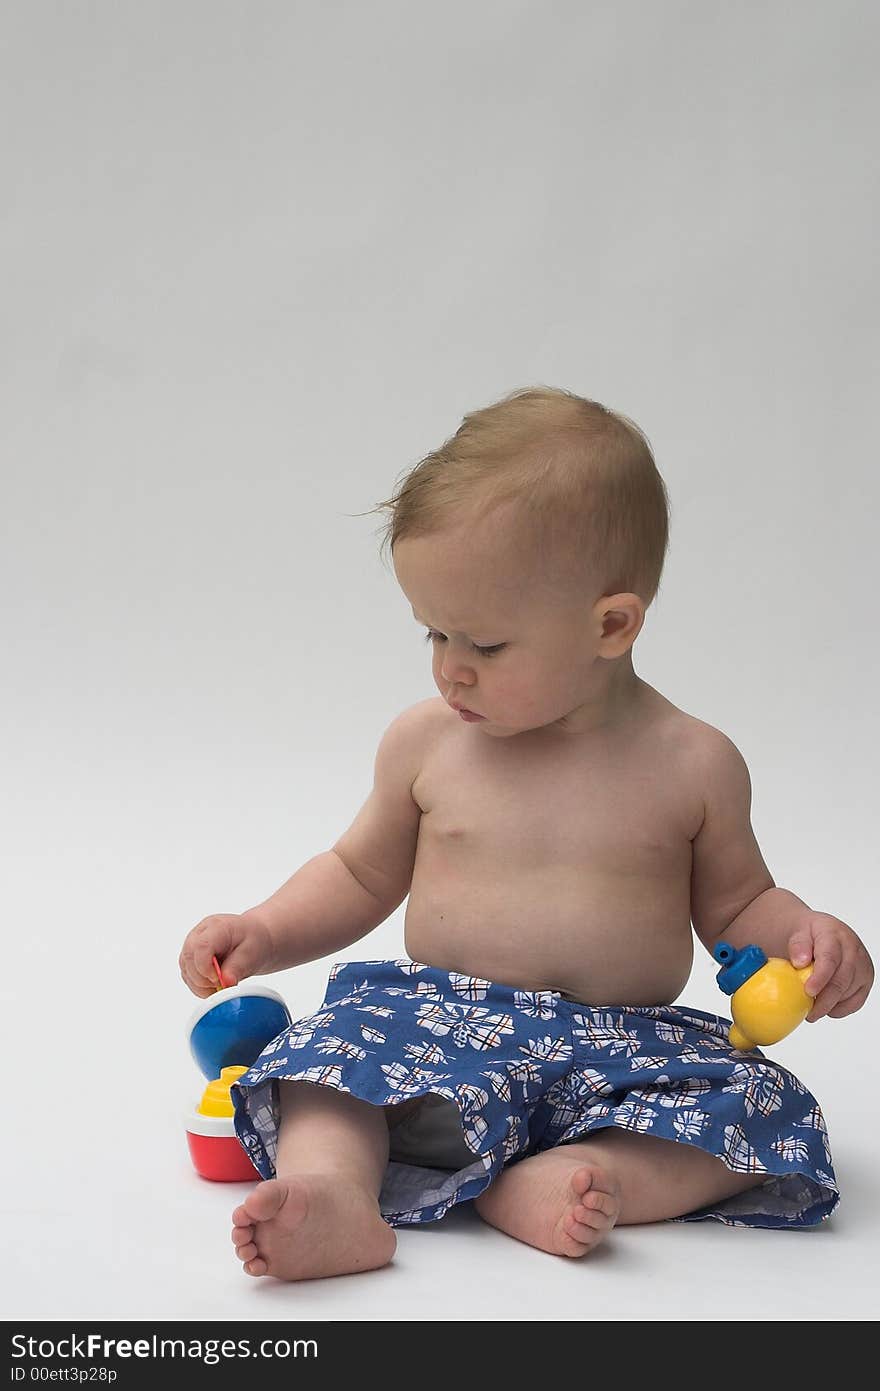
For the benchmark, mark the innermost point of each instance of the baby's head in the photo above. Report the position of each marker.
(530, 545)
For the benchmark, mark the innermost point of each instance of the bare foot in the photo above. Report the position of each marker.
(309, 1226)
(553, 1201)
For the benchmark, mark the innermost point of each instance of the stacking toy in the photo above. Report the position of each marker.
(768, 999)
(227, 1033)
(210, 1133)
(234, 1025)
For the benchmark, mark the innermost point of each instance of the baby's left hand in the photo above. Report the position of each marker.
(842, 969)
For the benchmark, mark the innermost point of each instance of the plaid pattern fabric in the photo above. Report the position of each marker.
(529, 1070)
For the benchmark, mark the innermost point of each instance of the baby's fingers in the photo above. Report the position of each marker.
(849, 986)
(214, 936)
(850, 1004)
(828, 998)
(827, 960)
(195, 977)
(861, 981)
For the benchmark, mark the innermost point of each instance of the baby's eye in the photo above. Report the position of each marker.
(430, 635)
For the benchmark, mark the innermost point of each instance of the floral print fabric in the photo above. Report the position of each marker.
(529, 1070)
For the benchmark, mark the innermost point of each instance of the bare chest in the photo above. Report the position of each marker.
(543, 860)
(605, 810)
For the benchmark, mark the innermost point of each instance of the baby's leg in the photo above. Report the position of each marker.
(566, 1199)
(320, 1216)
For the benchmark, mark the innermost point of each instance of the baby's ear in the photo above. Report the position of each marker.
(620, 618)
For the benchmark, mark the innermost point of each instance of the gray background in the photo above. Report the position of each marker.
(259, 259)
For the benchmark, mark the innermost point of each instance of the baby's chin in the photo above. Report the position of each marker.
(493, 730)
(499, 731)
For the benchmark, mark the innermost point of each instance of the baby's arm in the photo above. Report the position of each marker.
(336, 897)
(733, 894)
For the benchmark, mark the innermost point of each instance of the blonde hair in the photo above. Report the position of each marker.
(582, 478)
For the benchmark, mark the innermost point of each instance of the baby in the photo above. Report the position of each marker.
(558, 825)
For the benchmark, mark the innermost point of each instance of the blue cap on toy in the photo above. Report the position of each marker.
(232, 1027)
(737, 965)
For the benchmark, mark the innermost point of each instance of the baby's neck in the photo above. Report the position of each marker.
(618, 698)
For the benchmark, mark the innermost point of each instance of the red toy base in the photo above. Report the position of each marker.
(220, 1157)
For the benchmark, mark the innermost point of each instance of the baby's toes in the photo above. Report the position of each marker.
(585, 1231)
(257, 1266)
(594, 1209)
(572, 1239)
(597, 1210)
(577, 1238)
(241, 1217)
(242, 1236)
(608, 1199)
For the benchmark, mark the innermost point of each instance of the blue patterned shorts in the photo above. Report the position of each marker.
(508, 1073)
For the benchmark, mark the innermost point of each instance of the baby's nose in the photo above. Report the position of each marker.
(456, 671)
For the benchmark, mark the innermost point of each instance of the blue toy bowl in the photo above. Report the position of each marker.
(232, 1027)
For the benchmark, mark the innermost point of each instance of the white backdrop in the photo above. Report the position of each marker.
(259, 259)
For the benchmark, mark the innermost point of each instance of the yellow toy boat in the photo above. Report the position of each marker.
(768, 999)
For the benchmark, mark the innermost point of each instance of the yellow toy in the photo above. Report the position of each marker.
(210, 1133)
(768, 999)
(216, 1099)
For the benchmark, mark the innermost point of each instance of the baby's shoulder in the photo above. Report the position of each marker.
(425, 715)
(417, 727)
(701, 751)
(707, 752)
(415, 736)
(700, 763)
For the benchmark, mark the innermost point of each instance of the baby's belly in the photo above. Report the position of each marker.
(598, 938)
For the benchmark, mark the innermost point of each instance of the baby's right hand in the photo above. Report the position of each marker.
(240, 941)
